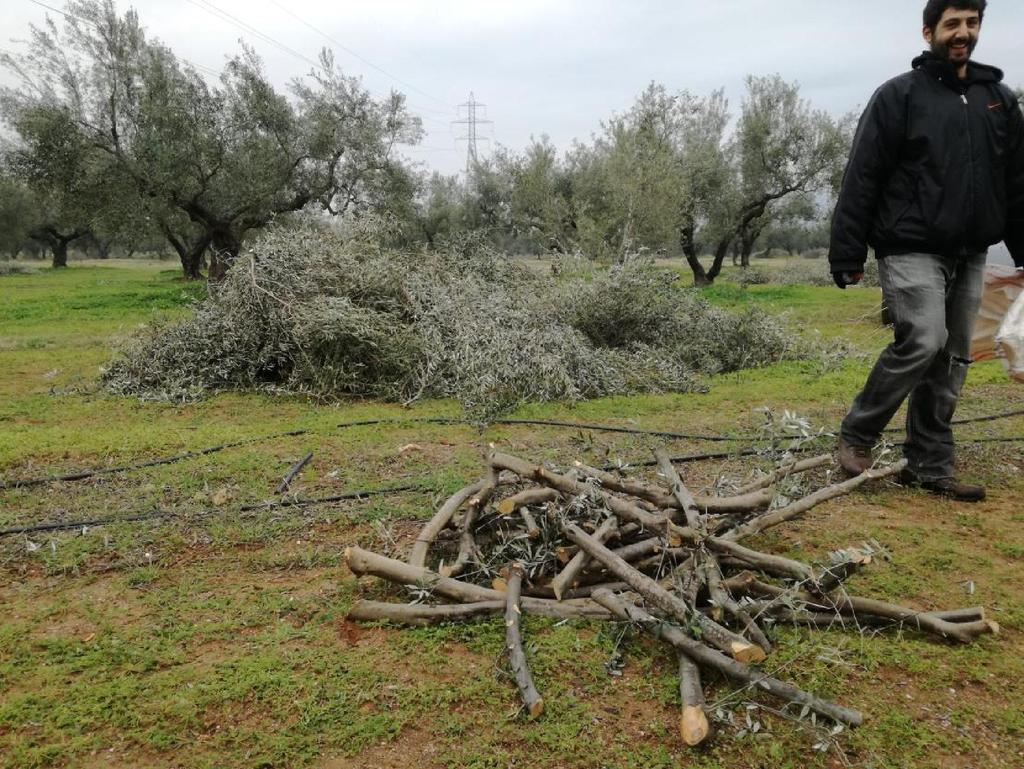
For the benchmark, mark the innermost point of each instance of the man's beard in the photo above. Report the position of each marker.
(944, 52)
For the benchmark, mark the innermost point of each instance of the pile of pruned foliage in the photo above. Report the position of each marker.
(306, 311)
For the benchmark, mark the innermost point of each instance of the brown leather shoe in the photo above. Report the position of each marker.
(945, 487)
(854, 459)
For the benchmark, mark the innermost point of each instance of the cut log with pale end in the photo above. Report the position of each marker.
(693, 722)
(734, 669)
(532, 529)
(824, 620)
(726, 605)
(532, 700)
(525, 498)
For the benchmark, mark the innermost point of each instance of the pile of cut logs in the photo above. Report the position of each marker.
(588, 543)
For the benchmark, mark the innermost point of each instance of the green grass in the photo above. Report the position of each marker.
(217, 638)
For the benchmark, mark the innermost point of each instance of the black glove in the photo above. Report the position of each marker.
(845, 278)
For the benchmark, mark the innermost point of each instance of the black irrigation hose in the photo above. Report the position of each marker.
(63, 525)
(626, 430)
(972, 420)
(748, 452)
(553, 423)
(26, 482)
(696, 457)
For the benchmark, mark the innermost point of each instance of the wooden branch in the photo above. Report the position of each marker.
(792, 468)
(420, 548)
(824, 620)
(964, 632)
(662, 501)
(567, 576)
(532, 529)
(545, 591)
(422, 614)
(514, 645)
(769, 562)
(833, 575)
(622, 509)
(641, 549)
(534, 496)
(972, 614)
(734, 669)
(651, 591)
(729, 606)
(693, 722)
(667, 556)
(362, 562)
(467, 541)
(295, 470)
(801, 506)
(681, 495)
(630, 512)
(733, 563)
(632, 552)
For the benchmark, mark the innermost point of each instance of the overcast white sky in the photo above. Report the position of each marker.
(560, 66)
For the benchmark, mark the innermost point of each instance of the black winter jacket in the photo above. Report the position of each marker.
(937, 166)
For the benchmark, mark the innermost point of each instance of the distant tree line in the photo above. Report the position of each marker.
(116, 141)
(670, 174)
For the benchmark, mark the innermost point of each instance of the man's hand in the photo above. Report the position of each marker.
(844, 278)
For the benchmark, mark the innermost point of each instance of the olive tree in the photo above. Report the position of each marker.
(227, 157)
(781, 148)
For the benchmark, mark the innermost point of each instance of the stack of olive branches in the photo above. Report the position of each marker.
(589, 543)
(307, 312)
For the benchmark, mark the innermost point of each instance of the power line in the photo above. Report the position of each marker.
(223, 15)
(67, 15)
(363, 59)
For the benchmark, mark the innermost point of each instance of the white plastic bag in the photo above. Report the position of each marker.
(1010, 339)
(1002, 287)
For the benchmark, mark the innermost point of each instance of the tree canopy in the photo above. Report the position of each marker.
(101, 102)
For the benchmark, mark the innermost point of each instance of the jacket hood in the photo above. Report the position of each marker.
(976, 72)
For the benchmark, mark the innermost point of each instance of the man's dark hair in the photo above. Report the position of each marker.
(935, 8)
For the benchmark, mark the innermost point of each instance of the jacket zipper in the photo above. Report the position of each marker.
(970, 155)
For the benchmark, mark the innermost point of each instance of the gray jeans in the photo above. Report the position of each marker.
(933, 301)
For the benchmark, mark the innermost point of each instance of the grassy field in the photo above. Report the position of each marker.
(217, 637)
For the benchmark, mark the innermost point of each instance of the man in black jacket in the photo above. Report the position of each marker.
(935, 176)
